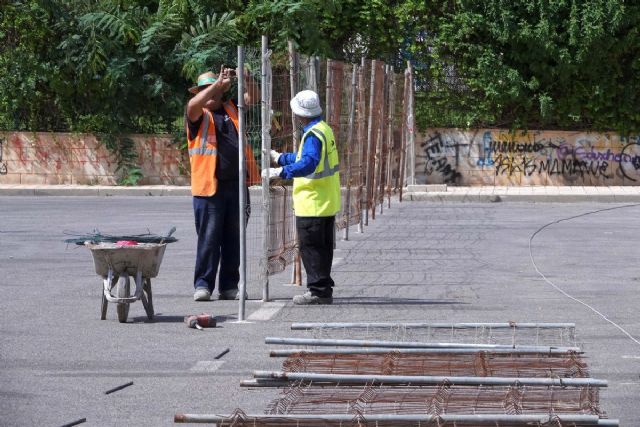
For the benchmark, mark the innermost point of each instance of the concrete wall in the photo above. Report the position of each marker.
(65, 158)
(495, 157)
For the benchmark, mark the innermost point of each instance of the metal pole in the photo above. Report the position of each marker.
(241, 185)
(369, 140)
(390, 138)
(469, 419)
(362, 114)
(401, 344)
(411, 129)
(296, 273)
(364, 351)
(352, 113)
(364, 325)
(423, 379)
(266, 163)
(403, 148)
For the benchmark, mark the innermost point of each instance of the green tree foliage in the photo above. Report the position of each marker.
(121, 66)
(567, 64)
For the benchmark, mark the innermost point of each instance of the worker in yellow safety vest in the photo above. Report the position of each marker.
(316, 195)
(212, 139)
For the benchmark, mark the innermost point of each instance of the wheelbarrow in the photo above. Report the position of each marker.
(117, 264)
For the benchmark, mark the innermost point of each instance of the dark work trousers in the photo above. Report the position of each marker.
(218, 229)
(317, 237)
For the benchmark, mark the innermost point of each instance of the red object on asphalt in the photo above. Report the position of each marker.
(200, 321)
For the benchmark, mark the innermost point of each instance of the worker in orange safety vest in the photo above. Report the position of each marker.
(212, 139)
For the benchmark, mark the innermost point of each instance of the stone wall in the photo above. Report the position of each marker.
(67, 158)
(496, 157)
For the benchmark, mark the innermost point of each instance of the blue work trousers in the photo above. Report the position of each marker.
(218, 230)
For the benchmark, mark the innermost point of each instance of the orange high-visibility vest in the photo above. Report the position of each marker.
(203, 154)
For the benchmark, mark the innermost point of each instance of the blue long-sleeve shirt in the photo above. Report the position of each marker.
(311, 152)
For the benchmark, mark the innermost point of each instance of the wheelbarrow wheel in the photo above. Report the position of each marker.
(124, 291)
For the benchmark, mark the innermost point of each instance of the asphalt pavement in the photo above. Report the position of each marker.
(434, 260)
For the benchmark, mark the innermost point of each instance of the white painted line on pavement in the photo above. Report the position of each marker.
(631, 357)
(336, 261)
(267, 311)
(207, 366)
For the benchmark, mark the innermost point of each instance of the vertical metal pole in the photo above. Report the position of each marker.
(296, 273)
(352, 112)
(405, 131)
(411, 128)
(374, 66)
(241, 185)
(293, 84)
(362, 114)
(390, 141)
(266, 163)
(328, 87)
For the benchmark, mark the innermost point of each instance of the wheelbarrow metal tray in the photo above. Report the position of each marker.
(143, 257)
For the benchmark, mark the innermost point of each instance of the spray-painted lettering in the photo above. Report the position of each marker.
(3, 165)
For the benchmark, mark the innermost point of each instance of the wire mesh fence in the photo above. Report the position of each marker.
(369, 142)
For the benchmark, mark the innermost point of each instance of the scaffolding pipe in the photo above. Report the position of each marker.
(420, 325)
(403, 344)
(242, 186)
(364, 351)
(423, 379)
(489, 419)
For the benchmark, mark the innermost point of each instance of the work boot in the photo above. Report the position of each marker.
(231, 294)
(202, 294)
(309, 299)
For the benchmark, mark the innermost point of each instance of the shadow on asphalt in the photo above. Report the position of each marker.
(159, 318)
(391, 301)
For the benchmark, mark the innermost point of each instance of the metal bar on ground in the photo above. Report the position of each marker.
(403, 344)
(365, 351)
(366, 325)
(406, 379)
(458, 418)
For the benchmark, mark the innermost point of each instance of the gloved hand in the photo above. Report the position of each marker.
(274, 156)
(271, 173)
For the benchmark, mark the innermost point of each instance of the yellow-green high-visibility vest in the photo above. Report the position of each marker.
(318, 194)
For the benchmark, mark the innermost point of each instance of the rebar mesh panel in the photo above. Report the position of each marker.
(239, 418)
(540, 336)
(305, 398)
(282, 242)
(480, 364)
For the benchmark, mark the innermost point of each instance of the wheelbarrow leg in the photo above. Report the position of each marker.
(147, 298)
(124, 291)
(103, 308)
(109, 283)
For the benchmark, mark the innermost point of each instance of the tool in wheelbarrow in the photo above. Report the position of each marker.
(118, 258)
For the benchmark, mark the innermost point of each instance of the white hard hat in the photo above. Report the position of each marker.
(306, 104)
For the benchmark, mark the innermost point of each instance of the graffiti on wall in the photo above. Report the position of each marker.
(537, 157)
(3, 165)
